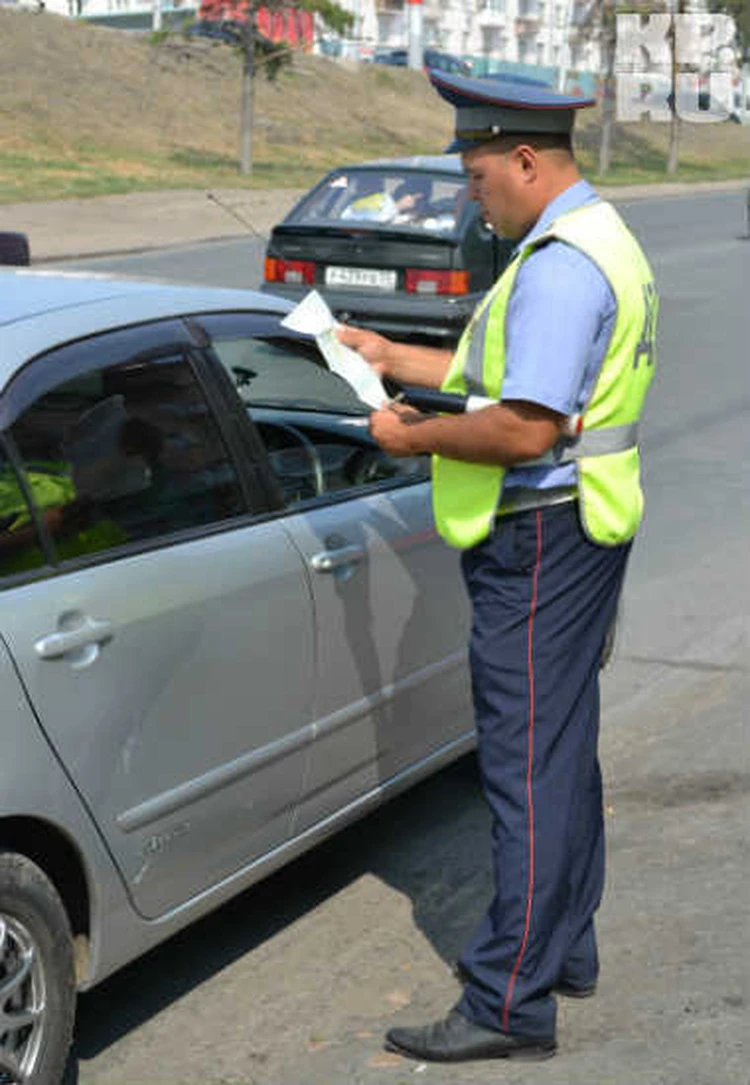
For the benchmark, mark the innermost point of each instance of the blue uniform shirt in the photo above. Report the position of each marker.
(560, 318)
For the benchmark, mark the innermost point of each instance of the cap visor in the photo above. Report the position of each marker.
(459, 145)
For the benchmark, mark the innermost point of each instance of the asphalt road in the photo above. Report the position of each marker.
(294, 982)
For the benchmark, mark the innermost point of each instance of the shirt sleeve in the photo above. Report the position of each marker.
(560, 318)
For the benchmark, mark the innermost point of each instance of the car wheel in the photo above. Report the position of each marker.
(37, 976)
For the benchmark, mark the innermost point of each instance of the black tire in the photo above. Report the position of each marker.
(14, 249)
(36, 947)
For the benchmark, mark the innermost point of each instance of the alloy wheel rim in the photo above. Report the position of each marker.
(22, 1002)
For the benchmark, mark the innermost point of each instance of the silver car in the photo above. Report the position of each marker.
(228, 627)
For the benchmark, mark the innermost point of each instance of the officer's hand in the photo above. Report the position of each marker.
(395, 429)
(374, 348)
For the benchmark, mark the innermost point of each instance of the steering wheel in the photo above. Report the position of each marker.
(316, 464)
(365, 465)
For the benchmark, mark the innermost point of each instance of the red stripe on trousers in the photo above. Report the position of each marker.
(529, 775)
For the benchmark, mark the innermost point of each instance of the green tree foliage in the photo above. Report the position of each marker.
(239, 19)
(332, 15)
(740, 12)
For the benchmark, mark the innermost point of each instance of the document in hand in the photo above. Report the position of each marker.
(313, 317)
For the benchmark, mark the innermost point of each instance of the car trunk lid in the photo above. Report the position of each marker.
(359, 258)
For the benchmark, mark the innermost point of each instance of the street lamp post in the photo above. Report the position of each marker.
(562, 72)
(416, 34)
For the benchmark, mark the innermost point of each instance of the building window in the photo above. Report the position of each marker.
(493, 41)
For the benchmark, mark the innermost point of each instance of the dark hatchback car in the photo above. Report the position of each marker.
(434, 60)
(394, 245)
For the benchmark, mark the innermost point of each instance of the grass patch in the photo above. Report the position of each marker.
(383, 78)
(27, 177)
(624, 173)
(194, 159)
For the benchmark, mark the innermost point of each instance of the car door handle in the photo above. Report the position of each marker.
(55, 645)
(327, 561)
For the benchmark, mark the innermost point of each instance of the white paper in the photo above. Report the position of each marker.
(313, 317)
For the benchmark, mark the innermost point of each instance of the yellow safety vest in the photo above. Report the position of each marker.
(467, 497)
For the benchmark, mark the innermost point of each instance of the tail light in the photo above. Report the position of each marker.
(423, 281)
(289, 271)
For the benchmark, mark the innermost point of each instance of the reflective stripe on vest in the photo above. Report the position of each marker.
(597, 442)
(467, 496)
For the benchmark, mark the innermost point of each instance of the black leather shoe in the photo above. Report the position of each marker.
(457, 1039)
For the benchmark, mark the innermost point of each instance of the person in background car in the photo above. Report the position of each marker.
(412, 199)
(371, 202)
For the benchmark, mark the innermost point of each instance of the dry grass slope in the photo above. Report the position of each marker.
(86, 110)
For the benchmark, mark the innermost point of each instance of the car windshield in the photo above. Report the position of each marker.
(404, 200)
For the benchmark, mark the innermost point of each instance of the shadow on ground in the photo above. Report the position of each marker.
(430, 844)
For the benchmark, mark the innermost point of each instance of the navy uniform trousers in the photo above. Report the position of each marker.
(543, 597)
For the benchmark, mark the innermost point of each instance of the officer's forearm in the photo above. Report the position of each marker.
(500, 435)
(425, 366)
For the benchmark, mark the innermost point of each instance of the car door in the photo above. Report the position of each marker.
(390, 611)
(163, 633)
(392, 684)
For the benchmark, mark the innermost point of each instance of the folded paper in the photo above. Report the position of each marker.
(313, 317)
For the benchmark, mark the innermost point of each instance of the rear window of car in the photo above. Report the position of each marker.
(415, 202)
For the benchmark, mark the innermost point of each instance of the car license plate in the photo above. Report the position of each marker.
(374, 278)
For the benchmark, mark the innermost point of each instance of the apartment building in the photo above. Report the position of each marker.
(547, 33)
(537, 32)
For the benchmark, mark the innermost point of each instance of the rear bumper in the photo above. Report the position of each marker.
(399, 315)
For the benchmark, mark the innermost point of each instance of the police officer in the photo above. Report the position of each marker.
(543, 511)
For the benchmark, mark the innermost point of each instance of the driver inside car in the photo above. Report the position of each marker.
(371, 203)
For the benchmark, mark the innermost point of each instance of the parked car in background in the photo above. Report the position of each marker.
(228, 31)
(228, 626)
(393, 245)
(14, 248)
(434, 60)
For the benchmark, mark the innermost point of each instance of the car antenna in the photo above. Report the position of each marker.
(235, 214)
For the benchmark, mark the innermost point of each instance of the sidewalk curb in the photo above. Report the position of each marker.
(616, 194)
(137, 250)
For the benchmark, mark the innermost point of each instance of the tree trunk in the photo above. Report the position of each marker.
(605, 145)
(246, 111)
(609, 40)
(673, 158)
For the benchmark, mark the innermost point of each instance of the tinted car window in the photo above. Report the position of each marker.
(446, 62)
(20, 549)
(407, 200)
(123, 454)
(283, 373)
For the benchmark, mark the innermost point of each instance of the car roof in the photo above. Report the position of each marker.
(439, 163)
(40, 310)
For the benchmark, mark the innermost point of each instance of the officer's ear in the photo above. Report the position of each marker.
(527, 160)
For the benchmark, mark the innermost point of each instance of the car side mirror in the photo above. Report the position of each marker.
(14, 249)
